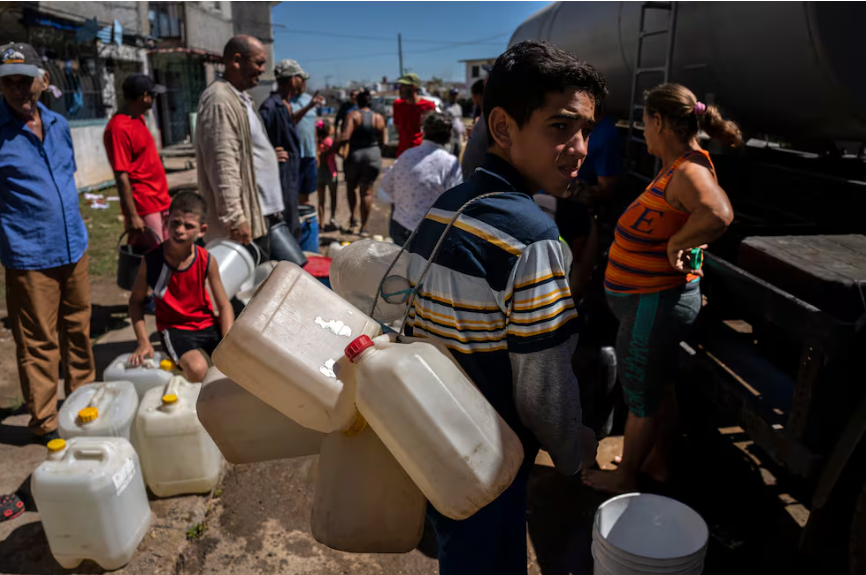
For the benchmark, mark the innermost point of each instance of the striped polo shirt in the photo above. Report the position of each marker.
(497, 285)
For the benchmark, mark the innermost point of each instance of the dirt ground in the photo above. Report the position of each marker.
(258, 521)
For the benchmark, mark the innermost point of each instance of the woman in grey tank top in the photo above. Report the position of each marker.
(364, 130)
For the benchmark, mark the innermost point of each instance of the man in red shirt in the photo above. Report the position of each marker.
(135, 160)
(409, 109)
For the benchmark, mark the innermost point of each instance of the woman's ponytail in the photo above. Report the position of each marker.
(718, 128)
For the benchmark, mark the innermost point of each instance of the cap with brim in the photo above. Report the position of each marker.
(19, 59)
(136, 85)
(289, 68)
(410, 79)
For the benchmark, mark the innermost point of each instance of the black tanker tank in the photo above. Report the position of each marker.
(795, 70)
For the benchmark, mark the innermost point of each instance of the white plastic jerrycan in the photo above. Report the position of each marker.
(357, 271)
(92, 501)
(365, 502)
(436, 423)
(99, 410)
(245, 428)
(177, 454)
(153, 372)
(286, 348)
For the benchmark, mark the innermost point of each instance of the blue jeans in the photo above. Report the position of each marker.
(493, 541)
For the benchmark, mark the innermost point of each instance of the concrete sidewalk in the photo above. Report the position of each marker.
(23, 546)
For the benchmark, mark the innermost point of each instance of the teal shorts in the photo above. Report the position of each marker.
(651, 327)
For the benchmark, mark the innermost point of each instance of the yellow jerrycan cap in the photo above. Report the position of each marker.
(88, 414)
(56, 445)
(167, 365)
(169, 398)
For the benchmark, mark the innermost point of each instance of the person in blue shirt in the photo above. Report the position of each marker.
(302, 104)
(43, 241)
(497, 294)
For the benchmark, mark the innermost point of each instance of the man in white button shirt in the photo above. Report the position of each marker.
(420, 175)
(238, 169)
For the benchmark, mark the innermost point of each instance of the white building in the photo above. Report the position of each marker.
(475, 70)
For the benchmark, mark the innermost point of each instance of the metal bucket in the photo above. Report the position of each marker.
(129, 260)
(283, 246)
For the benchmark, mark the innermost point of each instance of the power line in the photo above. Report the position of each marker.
(391, 53)
(380, 38)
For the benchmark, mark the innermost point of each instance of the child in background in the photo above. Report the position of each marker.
(176, 271)
(327, 173)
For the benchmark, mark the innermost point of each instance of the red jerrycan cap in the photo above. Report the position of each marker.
(357, 347)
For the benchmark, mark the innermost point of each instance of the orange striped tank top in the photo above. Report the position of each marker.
(638, 260)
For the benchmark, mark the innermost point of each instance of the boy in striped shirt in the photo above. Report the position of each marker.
(497, 293)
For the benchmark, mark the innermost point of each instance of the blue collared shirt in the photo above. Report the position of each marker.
(40, 222)
(307, 125)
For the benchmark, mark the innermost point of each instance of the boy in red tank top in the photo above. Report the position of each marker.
(176, 271)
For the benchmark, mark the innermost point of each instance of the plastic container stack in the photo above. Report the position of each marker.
(245, 428)
(177, 454)
(99, 410)
(92, 501)
(286, 348)
(358, 268)
(365, 502)
(453, 444)
(154, 372)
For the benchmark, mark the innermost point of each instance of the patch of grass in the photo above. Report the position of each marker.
(196, 531)
(103, 228)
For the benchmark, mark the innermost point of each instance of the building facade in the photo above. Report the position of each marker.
(89, 48)
(475, 69)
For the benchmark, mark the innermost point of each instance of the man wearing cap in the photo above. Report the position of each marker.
(43, 241)
(457, 129)
(302, 104)
(238, 168)
(133, 156)
(408, 111)
(281, 125)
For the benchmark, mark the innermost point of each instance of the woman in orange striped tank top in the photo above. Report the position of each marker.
(648, 280)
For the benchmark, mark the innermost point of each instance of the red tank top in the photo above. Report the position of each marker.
(638, 259)
(182, 301)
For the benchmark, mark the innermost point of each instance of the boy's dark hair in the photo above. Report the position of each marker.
(478, 87)
(437, 127)
(190, 203)
(524, 74)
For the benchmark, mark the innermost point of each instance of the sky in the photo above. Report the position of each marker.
(435, 36)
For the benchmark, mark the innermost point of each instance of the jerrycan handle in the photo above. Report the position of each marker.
(170, 393)
(96, 398)
(99, 453)
(410, 299)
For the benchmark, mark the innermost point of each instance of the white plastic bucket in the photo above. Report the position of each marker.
(236, 265)
(642, 533)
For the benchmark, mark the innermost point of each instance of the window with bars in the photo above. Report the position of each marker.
(166, 20)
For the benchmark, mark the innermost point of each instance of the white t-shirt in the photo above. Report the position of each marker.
(457, 127)
(417, 179)
(265, 162)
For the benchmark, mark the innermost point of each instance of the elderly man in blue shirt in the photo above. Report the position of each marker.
(43, 241)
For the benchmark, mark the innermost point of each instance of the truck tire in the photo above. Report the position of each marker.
(857, 537)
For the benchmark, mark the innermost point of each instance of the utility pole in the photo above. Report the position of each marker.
(400, 51)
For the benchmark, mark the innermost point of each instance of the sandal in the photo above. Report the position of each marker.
(331, 226)
(11, 507)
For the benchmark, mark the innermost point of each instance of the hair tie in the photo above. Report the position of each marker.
(700, 108)
(320, 124)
